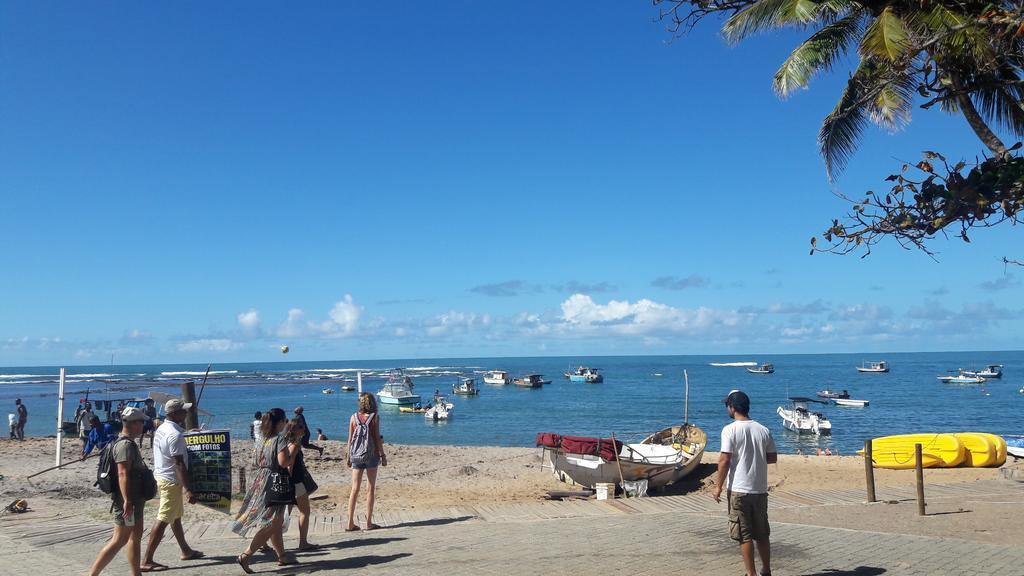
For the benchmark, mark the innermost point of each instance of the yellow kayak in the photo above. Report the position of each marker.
(897, 452)
(980, 450)
(1000, 444)
(411, 410)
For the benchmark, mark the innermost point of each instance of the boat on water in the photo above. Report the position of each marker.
(850, 402)
(800, 419)
(833, 394)
(414, 409)
(499, 377)
(662, 458)
(874, 367)
(732, 364)
(586, 375)
(531, 381)
(439, 409)
(762, 369)
(397, 389)
(992, 372)
(962, 377)
(465, 387)
(347, 388)
(328, 391)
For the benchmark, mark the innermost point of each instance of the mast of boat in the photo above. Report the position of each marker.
(686, 399)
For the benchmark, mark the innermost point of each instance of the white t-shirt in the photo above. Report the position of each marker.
(168, 442)
(749, 443)
(12, 419)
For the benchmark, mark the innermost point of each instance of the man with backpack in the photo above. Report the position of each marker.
(123, 474)
(173, 484)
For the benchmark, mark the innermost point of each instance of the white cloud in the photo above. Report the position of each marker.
(249, 321)
(342, 322)
(209, 345)
(456, 322)
(646, 317)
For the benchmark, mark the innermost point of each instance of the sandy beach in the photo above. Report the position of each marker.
(434, 477)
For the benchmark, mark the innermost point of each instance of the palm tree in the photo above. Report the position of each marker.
(967, 57)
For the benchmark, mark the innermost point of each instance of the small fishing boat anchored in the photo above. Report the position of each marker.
(762, 369)
(801, 420)
(585, 375)
(851, 402)
(874, 367)
(833, 394)
(531, 381)
(347, 388)
(439, 409)
(992, 372)
(465, 387)
(328, 390)
(962, 377)
(499, 377)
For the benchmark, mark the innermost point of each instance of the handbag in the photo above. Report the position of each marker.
(279, 490)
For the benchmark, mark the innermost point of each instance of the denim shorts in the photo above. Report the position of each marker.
(372, 463)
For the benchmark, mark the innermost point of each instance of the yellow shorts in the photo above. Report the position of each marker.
(172, 504)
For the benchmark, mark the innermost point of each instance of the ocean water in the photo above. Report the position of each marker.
(639, 395)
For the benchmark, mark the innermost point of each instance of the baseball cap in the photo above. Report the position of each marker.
(173, 405)
(131, 414)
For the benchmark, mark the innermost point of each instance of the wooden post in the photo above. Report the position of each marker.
(241, 479)
(919, 472)
(188, 394)
(869, 470)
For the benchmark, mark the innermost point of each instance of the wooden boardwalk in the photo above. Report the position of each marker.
(69, 526)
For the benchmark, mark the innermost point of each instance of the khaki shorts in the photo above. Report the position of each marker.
(172, 504)
(748, 517)
(118, 511)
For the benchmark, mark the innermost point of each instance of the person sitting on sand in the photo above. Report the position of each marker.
(127, 510)
(320, 437)
(365, 453)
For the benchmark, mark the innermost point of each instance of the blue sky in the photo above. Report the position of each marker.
(205, 182)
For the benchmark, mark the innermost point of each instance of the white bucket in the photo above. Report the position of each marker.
(605, 490)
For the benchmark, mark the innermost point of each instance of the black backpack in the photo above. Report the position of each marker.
(106, 472)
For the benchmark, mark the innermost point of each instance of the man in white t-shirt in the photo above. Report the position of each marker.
(170, 459)
(747, 450)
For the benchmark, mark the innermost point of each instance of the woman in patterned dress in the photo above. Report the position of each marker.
(268, 521)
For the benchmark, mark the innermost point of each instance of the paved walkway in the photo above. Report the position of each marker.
(676, 534)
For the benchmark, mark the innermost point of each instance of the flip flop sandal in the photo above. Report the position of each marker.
(243, 561)
(352, 529)
(372, 526)
(153, 567)
(194, 555)
(287, 560)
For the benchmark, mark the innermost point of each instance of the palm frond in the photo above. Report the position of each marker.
(890, 108)
(818, 53)
(767, 14)
(885, 38)
(843, 127)
(1000, 103)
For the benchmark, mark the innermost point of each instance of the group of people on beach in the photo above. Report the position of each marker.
(281, 483)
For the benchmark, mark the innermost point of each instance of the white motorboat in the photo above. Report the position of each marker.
(874, 367)
(499, 377)
(851, 402)
(347, 388)
(762, 369)
(801, 420)
(465, 387)
(661, 459)
(398, 389)
(439, 409)
(992, 372)
(328, 390)
(962, 377)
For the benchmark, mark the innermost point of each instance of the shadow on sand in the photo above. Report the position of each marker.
(858, 571)
(342, 563)
(690, 484)
(432, 522)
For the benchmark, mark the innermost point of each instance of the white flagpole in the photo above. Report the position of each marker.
(60, 416)
(359, 381)
(686, 404)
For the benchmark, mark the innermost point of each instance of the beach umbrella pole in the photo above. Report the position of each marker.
(686, 399)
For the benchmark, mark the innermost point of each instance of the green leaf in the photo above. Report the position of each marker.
(818, 53)
(885, 38)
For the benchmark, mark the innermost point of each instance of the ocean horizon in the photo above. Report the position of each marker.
(639, 395)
